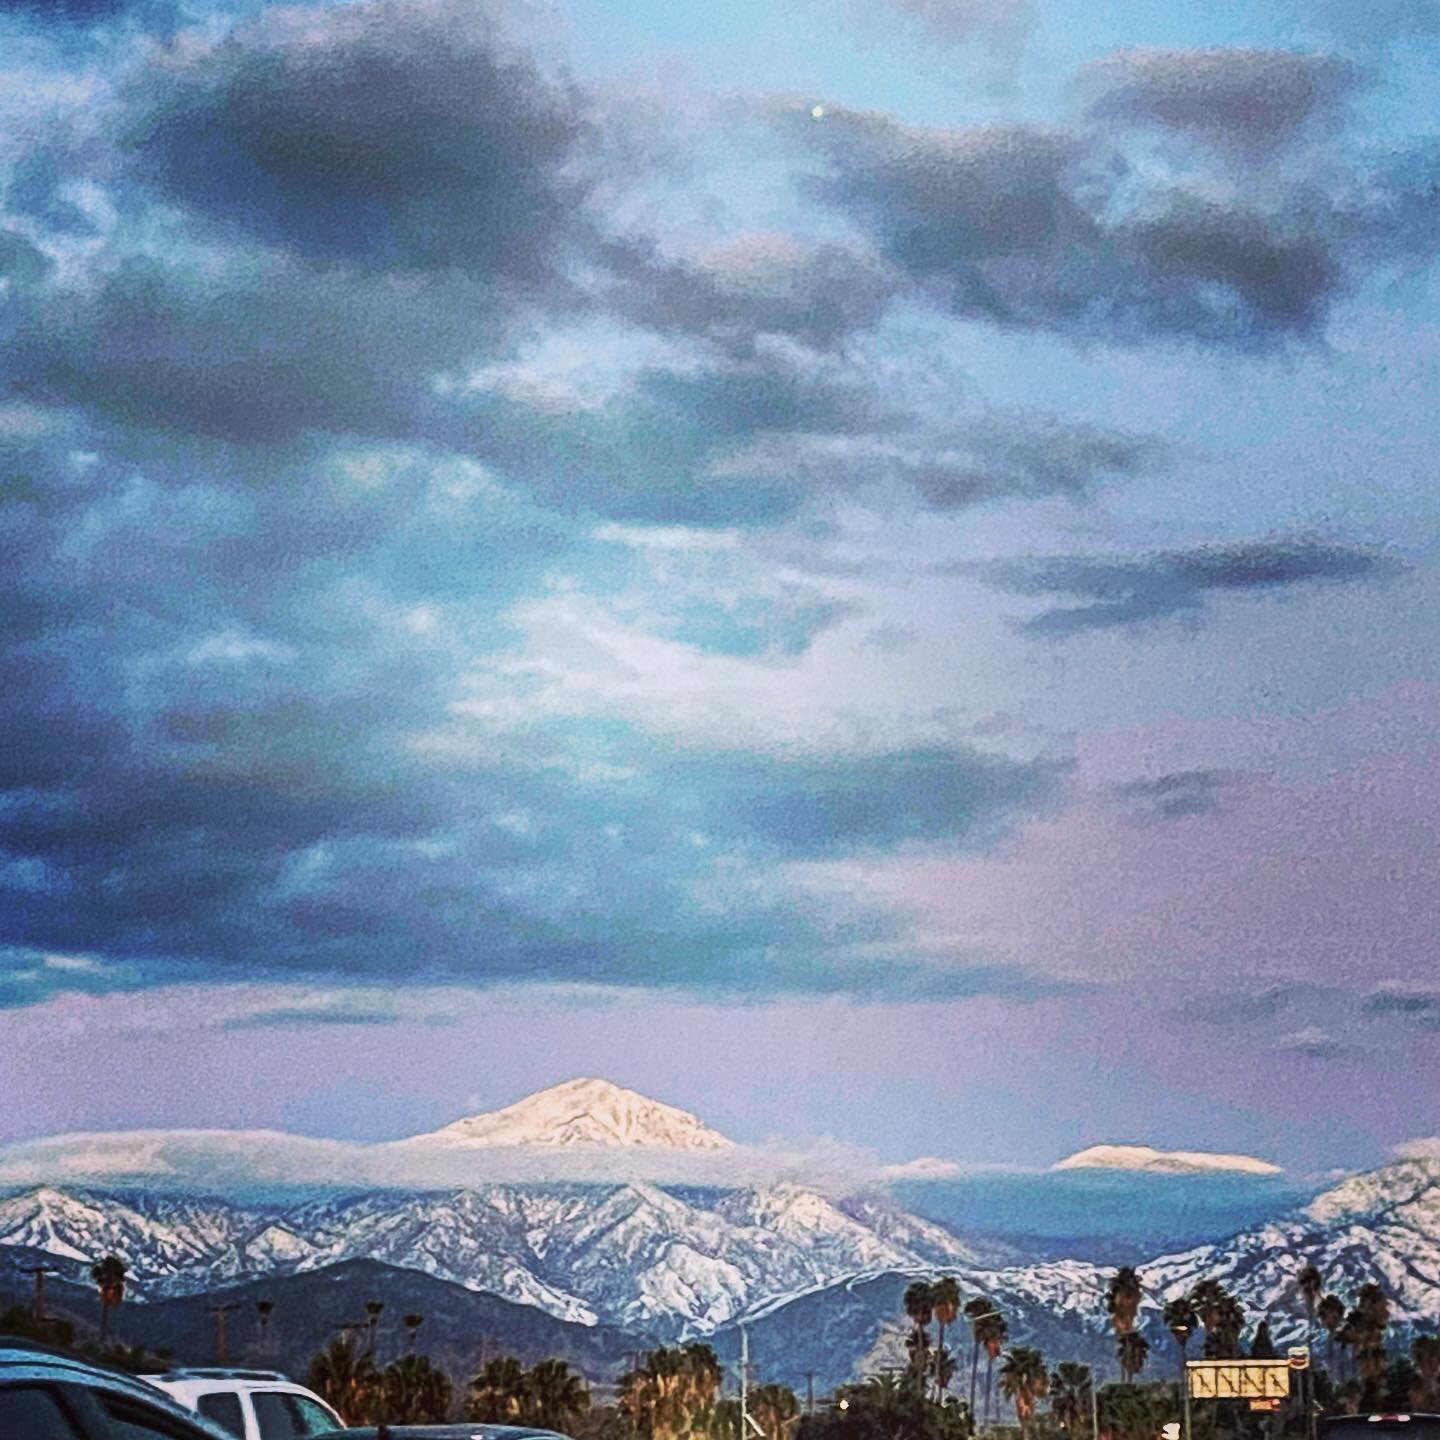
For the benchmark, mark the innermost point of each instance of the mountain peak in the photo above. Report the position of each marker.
(1174, 1162)
(584, 1111)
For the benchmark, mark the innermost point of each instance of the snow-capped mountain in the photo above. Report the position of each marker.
(628, 1255)
(580, 1112)
(1174, 1162)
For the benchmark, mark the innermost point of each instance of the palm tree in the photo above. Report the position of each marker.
(1262, 1347)
(498, 1393)
(1425, 1352)
(945, 1296)
(994, 1333)
(1182, 1322)
(1132, 1349)
(109, 1277)
(374, 1309)
(557, 1396)
(263, 1309)
(1023, 1379)
(1070, 1395)
(976, 1310)
(1331, 1314)
(775, 1409)
(1311, 1286)
(1122, 1298)
(1221, 1315)
(412, 1323)
(416, 1392)
(346, 1378)
(919, 1303)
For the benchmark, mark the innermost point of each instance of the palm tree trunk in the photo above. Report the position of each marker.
(989, 1385)
(974, 1373)
(104, 1320)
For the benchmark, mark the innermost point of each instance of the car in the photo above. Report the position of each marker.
(1389, 1425)
(250, 1404)
(468, 1430)
(46, 1394)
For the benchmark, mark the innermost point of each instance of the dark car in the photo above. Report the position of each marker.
(1391, 1425)
(467, 1431)
(48, 1395)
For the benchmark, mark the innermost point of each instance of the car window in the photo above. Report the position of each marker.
(288, 1417)
(35, 1413)
(120, 1417)
(224, 1409)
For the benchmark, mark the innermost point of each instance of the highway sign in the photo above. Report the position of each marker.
(1238, 1379)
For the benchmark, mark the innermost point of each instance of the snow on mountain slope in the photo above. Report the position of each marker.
(1175, 1162)
(580, 1112)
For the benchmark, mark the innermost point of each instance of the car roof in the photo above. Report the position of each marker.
(22, 1361)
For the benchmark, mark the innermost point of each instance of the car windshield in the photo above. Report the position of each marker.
(281, 1416)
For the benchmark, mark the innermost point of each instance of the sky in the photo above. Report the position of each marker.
(868, 570)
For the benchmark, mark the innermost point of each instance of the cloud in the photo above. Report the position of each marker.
(388, 134)
(1426, 1148)
(1406, 1003)
(1249, 102)
(997, 456)
(1241, 1006)
(1313, 1043)
(1065, 230)
(221, 1160)
(1125, 592)
(293, 1017)
(1175, 796)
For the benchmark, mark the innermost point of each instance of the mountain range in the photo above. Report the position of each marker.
(593, 1269)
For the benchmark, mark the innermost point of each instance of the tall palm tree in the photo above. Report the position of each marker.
(498, 1393)
(109, 1277)
(374, 1309)
(1222, 1316)
(558, 1397)
(1023, 1379)
(1122, 1298)
(412, 1323)
(1132, 1349)
(945, 1296)
(1311, 1285)
(346, 1378)
(994, 1333)
(975, 1311)
(1425, 1352)
(416, 1392)
(263, 1310)
(1070, 1395)
(1182, 1322)
(1330, 1312)
(919, 1303)
(775, 1410)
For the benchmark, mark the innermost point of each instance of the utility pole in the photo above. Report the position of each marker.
(1094, 1407)
(809, 1392)
(220, 1312)
(39, 1272)
(744, 1382)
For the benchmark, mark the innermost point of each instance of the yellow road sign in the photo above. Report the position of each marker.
(1238, 1379)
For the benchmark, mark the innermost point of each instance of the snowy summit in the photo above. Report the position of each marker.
(1170, 1162)
(581, 1112)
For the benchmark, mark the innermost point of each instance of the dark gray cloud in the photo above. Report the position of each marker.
(256, 355)
(756, 284)
(1002, 455)
(1175, 796)
(1242, 1006)
(289, 1017)
(397, 135)
(1410, 1005)
(1044, 228)
(1246, 101)
(1124, 592)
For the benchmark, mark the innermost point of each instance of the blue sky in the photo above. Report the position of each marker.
(834, 563)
